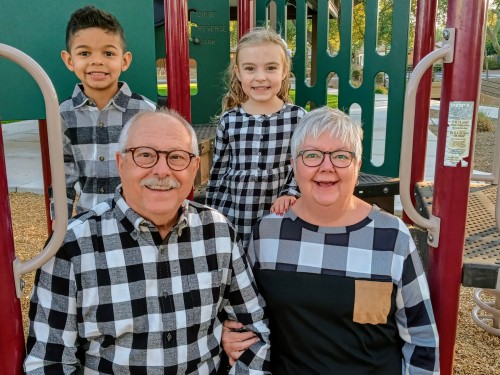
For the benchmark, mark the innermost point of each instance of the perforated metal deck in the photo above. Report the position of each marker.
(482, 239)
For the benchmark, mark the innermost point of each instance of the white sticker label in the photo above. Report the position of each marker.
(458, 134)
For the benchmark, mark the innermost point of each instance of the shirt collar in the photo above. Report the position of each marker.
(140, 224)
(119, 101)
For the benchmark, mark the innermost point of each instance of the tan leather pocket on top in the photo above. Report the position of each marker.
(372, 301)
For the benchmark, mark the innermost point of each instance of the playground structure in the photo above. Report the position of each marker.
(448, 228)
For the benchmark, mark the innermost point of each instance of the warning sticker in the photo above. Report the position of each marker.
(458, 134)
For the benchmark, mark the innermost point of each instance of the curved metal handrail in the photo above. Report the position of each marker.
(56, 163)
(432, 224)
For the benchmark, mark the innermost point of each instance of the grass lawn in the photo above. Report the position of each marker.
(163, 90)
(332, 100)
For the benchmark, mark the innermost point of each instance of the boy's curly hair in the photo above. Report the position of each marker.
(259, 35)
(88, 17)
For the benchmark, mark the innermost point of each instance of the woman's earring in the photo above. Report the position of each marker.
(357, 182)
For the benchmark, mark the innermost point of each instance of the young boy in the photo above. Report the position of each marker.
(92, 119)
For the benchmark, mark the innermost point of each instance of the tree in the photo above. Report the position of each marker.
(493, 25)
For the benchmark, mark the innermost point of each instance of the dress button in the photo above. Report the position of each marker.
(101, 158)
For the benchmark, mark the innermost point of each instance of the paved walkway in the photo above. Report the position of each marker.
(24, 166)
(23, 156)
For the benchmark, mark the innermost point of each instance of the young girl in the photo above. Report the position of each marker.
(251, 166)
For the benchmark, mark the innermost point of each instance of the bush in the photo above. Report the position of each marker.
(493, 65)
(484, 123)
(381, 90)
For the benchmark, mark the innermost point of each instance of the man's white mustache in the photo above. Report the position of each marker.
(166, 183)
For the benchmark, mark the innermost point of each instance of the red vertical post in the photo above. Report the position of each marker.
(47, 177)
(461, 81)
(244, 17)
(177, 47)
(11, 323)
(424, 44)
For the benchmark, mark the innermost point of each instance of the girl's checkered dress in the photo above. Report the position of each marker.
(251, 166)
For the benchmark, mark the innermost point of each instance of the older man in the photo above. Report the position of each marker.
(141, 281)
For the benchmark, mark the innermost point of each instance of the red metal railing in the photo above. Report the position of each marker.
(12, 342)
(461, 81)
(424, 44)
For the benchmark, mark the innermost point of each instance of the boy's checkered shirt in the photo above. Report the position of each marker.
(90, 141)
(251, 166)
(122, 300)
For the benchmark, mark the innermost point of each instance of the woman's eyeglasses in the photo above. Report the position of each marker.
(339, 159)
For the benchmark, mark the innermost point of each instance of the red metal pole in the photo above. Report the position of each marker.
(424, 44)
(461, 82)
(12, 338)
(47, 177)
(177, 47)
(244, 17)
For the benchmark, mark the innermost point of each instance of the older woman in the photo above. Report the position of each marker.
(344, 285)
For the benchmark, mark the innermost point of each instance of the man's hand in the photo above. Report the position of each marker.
(282, 204)
(235, 340)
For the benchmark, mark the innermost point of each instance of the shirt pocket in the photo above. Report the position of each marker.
(372, 301)
(205, 289)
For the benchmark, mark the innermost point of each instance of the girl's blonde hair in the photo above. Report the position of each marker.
(259, 35)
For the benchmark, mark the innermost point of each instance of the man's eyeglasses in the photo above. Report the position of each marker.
(339, 159)
(147, 157)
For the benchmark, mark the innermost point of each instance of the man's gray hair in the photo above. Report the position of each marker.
(163, 112)
(334, 121)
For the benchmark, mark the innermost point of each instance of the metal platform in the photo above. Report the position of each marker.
(481, 267)
(379, 190)
(206, 145)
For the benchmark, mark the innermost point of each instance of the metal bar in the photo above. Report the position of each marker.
(244, 17)
(495, 170)
(432, 224)
(56, 162)
(12, 343)
(424, 44)
(461, 82)
(177, 57)
(44, 148)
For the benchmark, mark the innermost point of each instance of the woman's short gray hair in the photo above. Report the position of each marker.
(334, 121)
(164, 112)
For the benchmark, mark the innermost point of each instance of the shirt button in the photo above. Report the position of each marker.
(101, 158)
(101, 124)
(162, 248)
(169, 337)
(260, 153)
(261, 137)
(101, 190)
